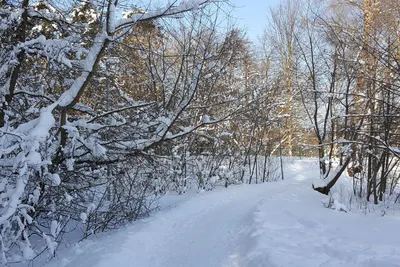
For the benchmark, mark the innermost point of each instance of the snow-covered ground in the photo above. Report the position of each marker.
(274, 224)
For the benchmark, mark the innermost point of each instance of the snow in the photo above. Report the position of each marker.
(168, 10)
(34, 197)
(83, 217)
(68, 197)
(26, 216)
(27, 252)
(86, 125)
(88, 64)
(34, 158)
(206, 119)
(55, 179)
(96, 149)
(39, 128)
(70, 164)
(225, 134)
(50, 244)
(54, 228)
(273, 224)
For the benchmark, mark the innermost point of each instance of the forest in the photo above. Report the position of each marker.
(106, 105)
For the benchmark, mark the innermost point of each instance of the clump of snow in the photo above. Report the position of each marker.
(339, 206)
(319, 183)
(98, 150)
(54, 228)
(3, 184)
(43, 125)
(26, 216)
(90, 208)
(34, 197)
(206, 119)
(27, 252)
(34, 158)
(69, 163)
(55, 179)
(68, 197)
(213, 179)
(51, 245)
(83, 217)
(225, 134)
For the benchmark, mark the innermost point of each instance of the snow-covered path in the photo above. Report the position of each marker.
(206, 230)
(210, 236)
(273, 224)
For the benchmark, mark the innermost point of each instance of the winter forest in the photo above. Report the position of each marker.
(109, 105)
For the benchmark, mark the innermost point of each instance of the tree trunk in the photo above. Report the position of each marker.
(326, 189)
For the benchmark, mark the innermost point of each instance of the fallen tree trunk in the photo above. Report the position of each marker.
(334, 178)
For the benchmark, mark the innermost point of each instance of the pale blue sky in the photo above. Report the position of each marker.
(252, 15)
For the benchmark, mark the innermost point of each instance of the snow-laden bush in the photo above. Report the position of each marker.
(69, 151)
(103, 111)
